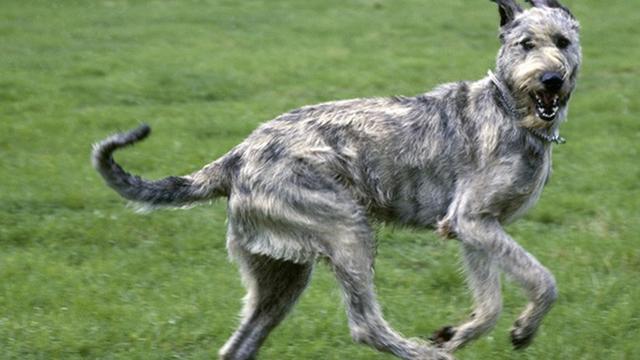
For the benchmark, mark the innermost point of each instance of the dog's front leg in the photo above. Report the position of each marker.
(487, 245)
(484, 281)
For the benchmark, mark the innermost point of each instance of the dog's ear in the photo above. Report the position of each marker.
(508, 10)
(551, 4)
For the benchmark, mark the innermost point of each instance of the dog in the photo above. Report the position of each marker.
(463, 159)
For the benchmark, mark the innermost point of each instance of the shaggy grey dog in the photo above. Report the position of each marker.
(464, 159)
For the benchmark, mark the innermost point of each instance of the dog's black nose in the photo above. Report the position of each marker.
(552, 81)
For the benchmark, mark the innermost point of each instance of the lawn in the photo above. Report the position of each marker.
(84, 276)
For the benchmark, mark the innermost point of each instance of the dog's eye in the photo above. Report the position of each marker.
(562, 42)
(527, 44)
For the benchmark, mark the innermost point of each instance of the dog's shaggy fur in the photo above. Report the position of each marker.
(464, 159)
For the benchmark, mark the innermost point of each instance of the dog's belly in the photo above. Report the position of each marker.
(419, 201)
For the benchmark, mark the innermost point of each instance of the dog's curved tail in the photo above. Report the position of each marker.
(210, 182)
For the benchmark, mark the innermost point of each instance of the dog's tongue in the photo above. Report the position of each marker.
(547, 105)
(547, 99)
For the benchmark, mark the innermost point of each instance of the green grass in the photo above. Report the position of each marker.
(82, 276)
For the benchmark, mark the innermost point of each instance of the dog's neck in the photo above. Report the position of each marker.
(509, 104)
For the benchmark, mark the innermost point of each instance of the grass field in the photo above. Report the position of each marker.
(82, 276)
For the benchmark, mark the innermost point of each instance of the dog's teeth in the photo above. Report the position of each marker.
(538, 99)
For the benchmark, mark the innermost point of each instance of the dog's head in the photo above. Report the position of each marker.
(539, 58)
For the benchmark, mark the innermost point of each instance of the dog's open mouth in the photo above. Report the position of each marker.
(546, 104)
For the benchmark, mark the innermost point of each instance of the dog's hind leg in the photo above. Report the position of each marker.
(273, 286)
(484, 281)
(352, 261)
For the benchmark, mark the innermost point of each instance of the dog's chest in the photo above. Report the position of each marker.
(529, 191)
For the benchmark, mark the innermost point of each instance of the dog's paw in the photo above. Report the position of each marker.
(521, 336)
(443, 335)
